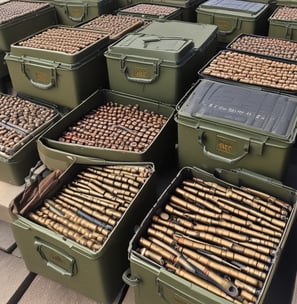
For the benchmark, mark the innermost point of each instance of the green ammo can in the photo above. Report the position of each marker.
(145, 63)
(63, 256)
(56, 75)
(283, 23)
(23, 18)
(20, 154)
(228, 126)
(152, 276)
(234, 17)
(160, 150)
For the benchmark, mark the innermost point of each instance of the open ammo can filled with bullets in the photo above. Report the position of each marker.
(59, 65)
(283, 23)
(149, 12)
(113, 126)
(211, 239)
(75, 225)
(22, 121)
(228, 126)
(115, 25)
(22, 18)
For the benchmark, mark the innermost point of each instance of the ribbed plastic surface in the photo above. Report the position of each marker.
(269, 112)
(244, 6)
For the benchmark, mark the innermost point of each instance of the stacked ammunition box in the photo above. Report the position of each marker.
(80, 221)
(19, 19)
(221, 125)
(266, 46)
(59, 65)
(282, 23)
(21, 122)
(234, 17)
(115, 25)
(206, 232)
(186, 7)
(150, 11)
(115, 127)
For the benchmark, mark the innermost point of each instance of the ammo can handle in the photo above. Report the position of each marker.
(76, 19)
(47, 252)
(38, 85)
(156, 73)
(233, 28)
(126, 276)
(220, 158)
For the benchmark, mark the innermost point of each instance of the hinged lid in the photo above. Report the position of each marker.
(247, 108)
(153, 46)
(238, 5)
(198, 32)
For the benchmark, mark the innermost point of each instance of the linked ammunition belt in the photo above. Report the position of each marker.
(88, 208)
(223, 239)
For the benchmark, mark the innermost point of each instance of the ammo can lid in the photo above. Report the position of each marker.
(200, 33)
(238, 5)
(172, 49)
(235, 105)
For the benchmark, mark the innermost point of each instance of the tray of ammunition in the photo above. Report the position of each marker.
(113, 126)
(22, 121)
(76, 223)
(19, 19)
(211, 238)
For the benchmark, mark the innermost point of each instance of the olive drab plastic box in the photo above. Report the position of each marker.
(153, 283)
(234, 17)
(75, 12)
(26, 24)
(134, 10)
(96, 274)
(59, 78)
(55, 153)
(187, 6)
(228, 126)
(282, 28)
(16, 167)
(145, 64)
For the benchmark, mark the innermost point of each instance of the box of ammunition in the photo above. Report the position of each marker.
(143, 64)
(229, 126)
(150, 11)
(22, 121)
(187, 7)
(74, 225)
(283, 23)
(60, 65)
(20, 19)
(115, 25)
(74, 12)
(212, 238)
(234, 17)
(113, 126)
